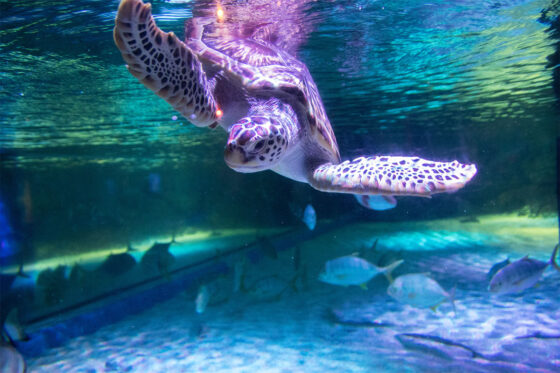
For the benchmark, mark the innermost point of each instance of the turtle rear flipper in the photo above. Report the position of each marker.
(164, 64)
(390, 175)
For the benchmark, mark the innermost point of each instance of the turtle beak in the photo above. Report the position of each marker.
(234, 155)
(237, 159)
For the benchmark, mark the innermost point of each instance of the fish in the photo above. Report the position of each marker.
(154, 183)
(539, 335)
(496, 267)
(10, 242)
(309, 217)
(271, 287)
(521, 274)
(11, 360)
(419, 290)
(239, 275)
(365, 252)
(213, 292)
(335, 317)
(158, 257)
(202, 299)
(267, 247)
(52, 284)
(7, 280)
(12, 329)
(376, 202)
(352, 270)
(117, 264)
(296, 258)
(438, 346)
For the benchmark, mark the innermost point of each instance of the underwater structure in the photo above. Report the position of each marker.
(279, 186)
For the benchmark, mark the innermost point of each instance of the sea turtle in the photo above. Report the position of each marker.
(267, 101)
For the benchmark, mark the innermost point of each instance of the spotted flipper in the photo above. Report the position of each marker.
(164, 64)
(389, 175)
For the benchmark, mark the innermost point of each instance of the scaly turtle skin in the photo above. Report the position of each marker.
(267, 101)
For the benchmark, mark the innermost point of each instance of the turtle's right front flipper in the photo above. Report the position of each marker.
(164, 64)
(391, 175)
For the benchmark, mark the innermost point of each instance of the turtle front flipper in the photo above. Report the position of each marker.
(164, 64)
(388, 175)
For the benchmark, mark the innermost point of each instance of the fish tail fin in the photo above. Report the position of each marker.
(387, 271)
(553, 257)
(452, 299)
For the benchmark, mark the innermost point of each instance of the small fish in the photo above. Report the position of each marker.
(351, 270)
(309, 217)
(154, 183)
(539, 335)
(376, 202)
(12, 328)
(117, 264)
(159, 258)
(496, 267)
(7, 280)
(238, 275)
(438, 346)
(267, 247)
(366, 252)
(11, 360)
(521, 274)
(202, 299)
(419, 290)
(296, 258)
(52, 284)
(336, 317)
(270, 287)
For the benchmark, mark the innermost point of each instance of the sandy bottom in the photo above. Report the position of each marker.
(315, 327)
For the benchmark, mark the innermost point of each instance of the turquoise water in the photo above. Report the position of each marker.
(93, 164)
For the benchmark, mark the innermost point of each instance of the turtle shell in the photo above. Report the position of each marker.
(247, 56)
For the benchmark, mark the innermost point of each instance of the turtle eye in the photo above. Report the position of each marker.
(259, 145)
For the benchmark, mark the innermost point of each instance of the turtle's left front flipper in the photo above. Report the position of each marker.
(388, 175)
(164, 64)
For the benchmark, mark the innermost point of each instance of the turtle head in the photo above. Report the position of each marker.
(256, 143)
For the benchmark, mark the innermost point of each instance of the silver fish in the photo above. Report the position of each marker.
(12, 328)
(419, 290)
(376, 202)
(309, 217)
(521, 274)
(270, 287)
(496, 267)
(351, 270)
(202, 299)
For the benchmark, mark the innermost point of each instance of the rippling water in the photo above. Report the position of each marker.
(436, 67)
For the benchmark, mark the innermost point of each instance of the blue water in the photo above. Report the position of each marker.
(93, 164)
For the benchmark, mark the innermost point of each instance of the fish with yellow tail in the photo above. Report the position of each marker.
(521, 274)
(420, 290)
(352, 270)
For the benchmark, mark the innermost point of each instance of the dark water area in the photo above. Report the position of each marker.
(90, 160)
